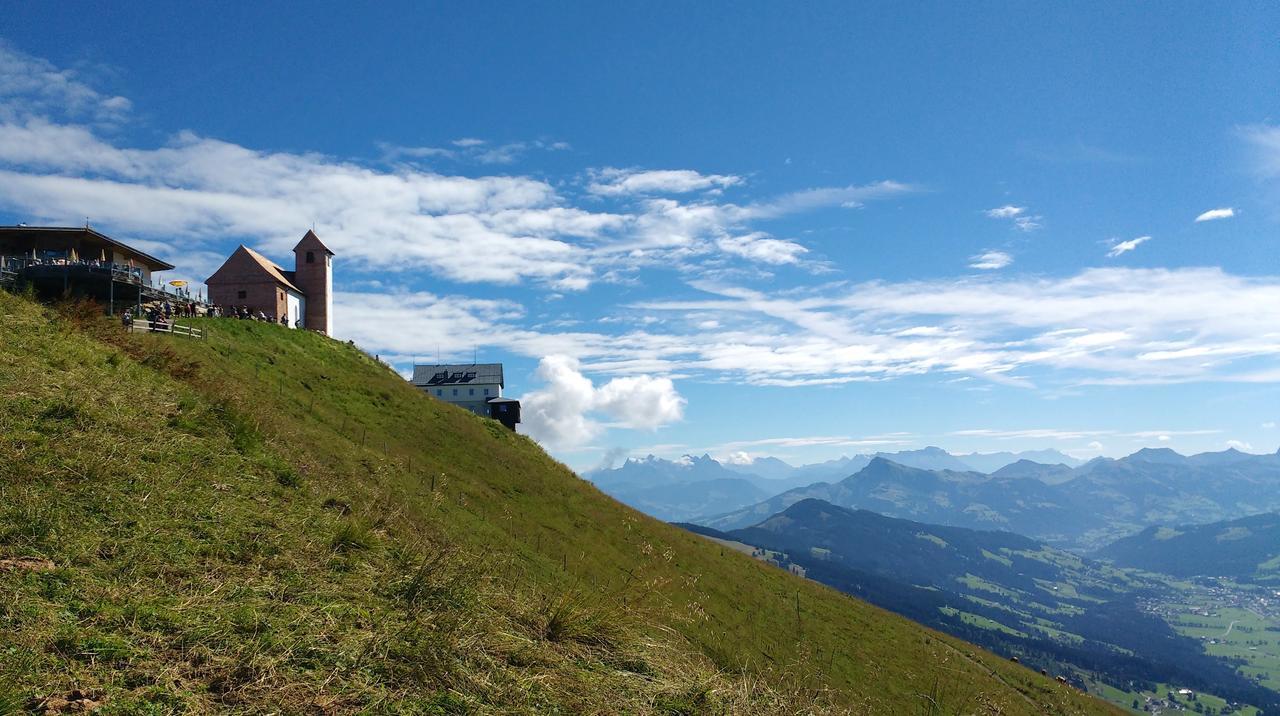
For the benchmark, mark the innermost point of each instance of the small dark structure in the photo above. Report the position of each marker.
(505, 411)
(74, 261)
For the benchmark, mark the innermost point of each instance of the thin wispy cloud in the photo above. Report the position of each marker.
(1007, 211)
(1122, 247)
(627, 182)
(471, 149)
(990, 260)
(1022, 220)
(33, 87)
(1213, 214)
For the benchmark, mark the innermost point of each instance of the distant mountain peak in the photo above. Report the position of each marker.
(1165, 455)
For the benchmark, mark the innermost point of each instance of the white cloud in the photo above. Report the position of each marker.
(625, 182)
(1120, 247)
(1027, 223)
(1022, 220)
(196, 194)
(1007, 211)
(641, 401)
(1269, 425)
(560, 413)
(1240, 445)
(990, 260)
(1212, 214)
(759, 246)
(30, 86)
(470, 149)
(1265, 140)
(738, 458)
(557, 413)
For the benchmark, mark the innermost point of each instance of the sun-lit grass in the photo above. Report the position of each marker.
(271, 520)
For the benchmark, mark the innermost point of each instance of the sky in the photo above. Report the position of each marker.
(742, 228)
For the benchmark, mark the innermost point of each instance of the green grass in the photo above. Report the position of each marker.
(1248, 640)
(1125, 699)
(270, 520)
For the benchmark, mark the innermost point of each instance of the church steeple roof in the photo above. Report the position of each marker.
(311, 241)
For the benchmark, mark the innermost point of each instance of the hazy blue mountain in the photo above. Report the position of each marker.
(1084, 508)
(1164, 456)
(947, 497)
(683, 489)
(1026, 469)
(1226, 457)
(831, 470)
(681, 501)
(1004, 591)
(928, 458)
(993, 461)
(1247, 548)
(770, 468)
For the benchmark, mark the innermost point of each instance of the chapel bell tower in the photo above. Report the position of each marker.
(313, 273)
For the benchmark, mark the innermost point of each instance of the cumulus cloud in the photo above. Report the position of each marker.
(1121, 247)
(561, 413)
(624, 182)
(1213, 214)
(990, 260)
(1239, 445)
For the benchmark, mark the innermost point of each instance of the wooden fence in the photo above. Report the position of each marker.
(141, 325)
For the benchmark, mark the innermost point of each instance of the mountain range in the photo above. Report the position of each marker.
(1052, 609)
(1243, 549)
(693, 486)
(1083, 508)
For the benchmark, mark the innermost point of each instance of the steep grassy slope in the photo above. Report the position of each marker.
(270, 520)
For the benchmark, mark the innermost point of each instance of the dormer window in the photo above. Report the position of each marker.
(311, 257)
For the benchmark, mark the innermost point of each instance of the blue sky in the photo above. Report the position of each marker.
(736, 228)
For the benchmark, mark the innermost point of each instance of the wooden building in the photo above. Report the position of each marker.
(79, 261)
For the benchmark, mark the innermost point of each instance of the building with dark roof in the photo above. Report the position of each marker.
(303, 296)
(476, 387)
(80, 261)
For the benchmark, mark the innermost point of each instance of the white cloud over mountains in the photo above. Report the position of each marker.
(1109, 326)
(561, 412)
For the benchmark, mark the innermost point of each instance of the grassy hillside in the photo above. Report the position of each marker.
(270, 520)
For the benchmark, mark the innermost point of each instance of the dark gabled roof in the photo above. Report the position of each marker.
(458, 374)
(155, 264)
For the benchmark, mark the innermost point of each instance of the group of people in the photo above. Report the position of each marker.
(247, 314)
(160, 314)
